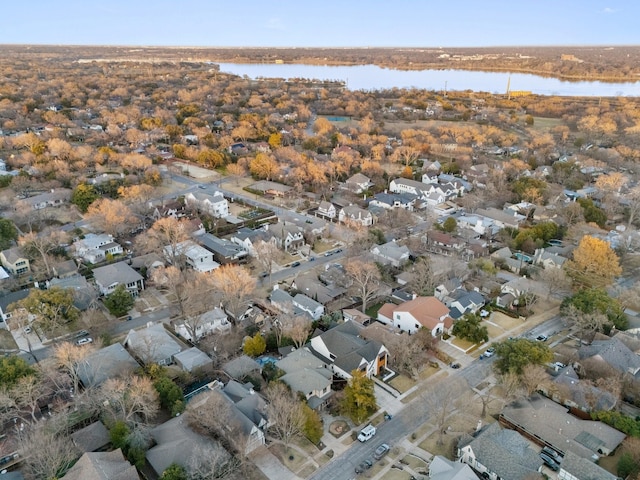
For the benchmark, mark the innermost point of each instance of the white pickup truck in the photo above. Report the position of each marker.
(366, 433)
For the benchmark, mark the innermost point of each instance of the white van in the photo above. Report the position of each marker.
(366, 433)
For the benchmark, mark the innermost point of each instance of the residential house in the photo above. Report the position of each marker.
(502, 218)
(479, 224)
(356, 316)
(389, 201)
(8, 299)
(215, 205)
(288, 237)
(358, 183)
(518, 286)
(553, 426)
(64, 269)
(192, 359)
(391, 253)
(113, 361)
(461, 302)
(175, 442)
(14, 261)
(107, 278)
(614, 353)
(84, 294)
(94, 248)
(281, 300)
(54, 198)
(548, 259)
(343, 350)
(152, 344)
(102, 466)
(274, 189)
(570, 391)
(198, 258)
(327, 210)
(499, 453)
(246, 412)
(224, 251)
(215, 320)
(330, 284)
(354, 215)
(443, 243)
(241, 367)
(248, 239)
(413, 187)
(574, 467)
(307, 374)
(92, 438)
(441, 468)
(308, 305)
(173, 209)
(421, 312)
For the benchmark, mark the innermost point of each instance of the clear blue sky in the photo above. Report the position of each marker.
(333, 23)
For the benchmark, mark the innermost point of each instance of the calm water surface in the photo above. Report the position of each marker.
(371, 77)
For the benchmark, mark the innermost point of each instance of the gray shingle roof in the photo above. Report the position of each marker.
(91, 438)
(118, 272)
(108, 362)
(307, 380)
(102, 466)
(241, 366)
(584, 469)
(152, 344)
(615, 353)
(553, 424)
(505, 452)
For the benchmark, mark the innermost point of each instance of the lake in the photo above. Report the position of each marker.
(372, 77)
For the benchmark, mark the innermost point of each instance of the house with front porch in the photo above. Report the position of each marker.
(215, 205)
(327, 210)
(358, 183)
(195, 256)
(343, 350)
(94, 248)
(287, 236)
(391, 253)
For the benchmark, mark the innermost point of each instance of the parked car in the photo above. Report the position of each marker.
(27, 329)
(455, 366)
(542, 338)
(553, 454)
(559, 365)
(84, 341)
(366, 465)
(8, 458)
(328, 254)
(366, 433)
(489, 352)
(295, 264)
(549, 461)
(381, 451)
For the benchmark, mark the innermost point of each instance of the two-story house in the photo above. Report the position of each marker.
(215, 205)
(421, 312)
(307, 374)
(343, 350)
(314, 309)
(354, 215)
(94, 248)
(327, 210)
(224, 251)
(14, 261)
(358, 183)
(391, 253)
(107, 278)
(195, 256)
(288, 237)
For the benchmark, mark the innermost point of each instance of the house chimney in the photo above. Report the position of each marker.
(479, 426)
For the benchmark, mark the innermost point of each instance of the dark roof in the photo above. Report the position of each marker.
(108, 362)
(349, 348)
(614, 352)
(504, 452)
(12, 297)
(91, 438)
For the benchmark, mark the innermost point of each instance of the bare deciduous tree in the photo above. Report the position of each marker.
(236, 286)
(532, 378)
(284, 410)
(267, 255)
(111, 216)
(366, 279)
(132, 400)
(43, 244)
(297, 328)
(441, 403)
(47, 453)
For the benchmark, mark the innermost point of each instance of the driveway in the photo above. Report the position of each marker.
(271, 467)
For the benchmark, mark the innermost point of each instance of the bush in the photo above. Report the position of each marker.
(626, 465)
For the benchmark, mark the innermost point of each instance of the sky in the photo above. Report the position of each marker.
(330, 23)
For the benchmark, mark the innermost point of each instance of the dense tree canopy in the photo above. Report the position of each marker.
(594, 263)
(597, 300)
(515, 354)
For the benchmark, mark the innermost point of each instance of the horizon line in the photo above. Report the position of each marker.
(360, 47)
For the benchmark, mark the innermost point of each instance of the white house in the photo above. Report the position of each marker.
(355, 215)
(391, 253)
(309, 305)
(287, 236)
(212, 321)
(327, 209)
(358, 183)
(215, 205)
(196, 256)
(94, 248)
(427, 312)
